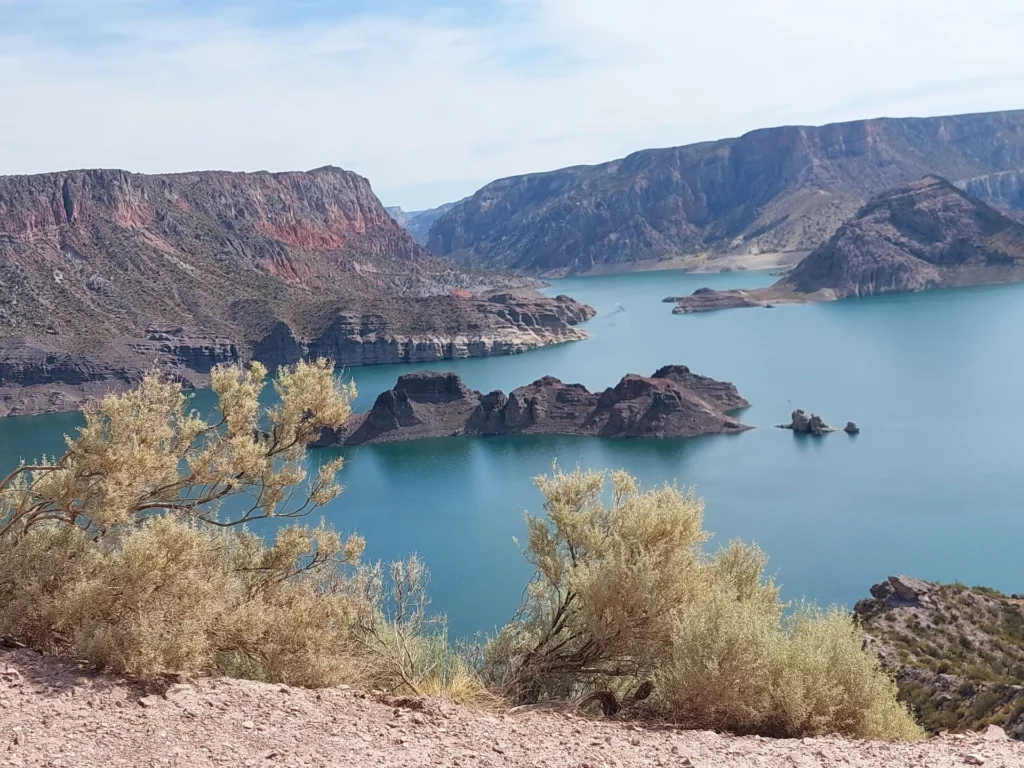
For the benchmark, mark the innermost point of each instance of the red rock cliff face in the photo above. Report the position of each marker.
(111, 252)
(316, 213)
(777, 189)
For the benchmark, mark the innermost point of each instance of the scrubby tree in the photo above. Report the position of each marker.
(625, 605)
(129, 549)
(144, 452)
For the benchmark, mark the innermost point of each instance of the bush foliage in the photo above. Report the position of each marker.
(624, 596)
(132, 551)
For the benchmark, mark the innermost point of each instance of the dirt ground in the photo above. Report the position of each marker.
(56, 714)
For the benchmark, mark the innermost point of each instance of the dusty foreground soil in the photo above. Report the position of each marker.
(56, 714)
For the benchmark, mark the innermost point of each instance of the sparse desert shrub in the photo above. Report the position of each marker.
(121, 553)
(129, 551)
(410, 647)
(624, 596)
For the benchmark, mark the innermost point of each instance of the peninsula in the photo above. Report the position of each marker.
(929, 234)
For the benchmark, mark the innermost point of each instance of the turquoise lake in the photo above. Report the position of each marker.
(931, 487)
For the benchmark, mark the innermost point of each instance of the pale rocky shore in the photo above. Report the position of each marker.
(59, 715)
(54, 374)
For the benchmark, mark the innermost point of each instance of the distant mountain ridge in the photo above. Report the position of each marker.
(418, 223)
(106, 273)
(785, 189)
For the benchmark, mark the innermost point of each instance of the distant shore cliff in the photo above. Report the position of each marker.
(783, 190)
(106, 274)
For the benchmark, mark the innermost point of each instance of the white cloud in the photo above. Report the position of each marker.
(435, 103)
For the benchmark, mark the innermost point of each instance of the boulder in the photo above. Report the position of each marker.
(909, 588)
(851, 428)
(901, 590)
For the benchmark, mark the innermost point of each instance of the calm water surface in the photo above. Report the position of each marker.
(932, 486)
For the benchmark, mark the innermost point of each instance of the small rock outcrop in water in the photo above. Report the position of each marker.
(851, 428)
(806, 424)
(674, 402)
(957, 652)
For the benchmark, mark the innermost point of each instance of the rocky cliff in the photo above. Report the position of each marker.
(271, 265)
(774, 190)
(957, 652)
(672, 403)
(928, 234)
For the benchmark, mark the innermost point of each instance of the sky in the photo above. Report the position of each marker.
(430, 100)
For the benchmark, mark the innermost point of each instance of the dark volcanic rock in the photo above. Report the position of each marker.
(851, 428)
(708, 299)
(672, 403)
(723, 393)
(772, 190)
(266, 266)
(421, 404)
(656, 407)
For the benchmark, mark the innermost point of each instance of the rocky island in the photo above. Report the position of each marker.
(674, 402)
(929, 234)
(105, 274)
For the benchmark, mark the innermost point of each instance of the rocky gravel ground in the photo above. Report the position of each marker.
(54, 713)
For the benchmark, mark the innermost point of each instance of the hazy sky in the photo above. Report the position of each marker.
(432, 99)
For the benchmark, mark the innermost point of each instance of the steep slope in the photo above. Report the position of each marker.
(928, 234)
(774, 190)
(106, 273)
(958, 653)
(418, 223)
